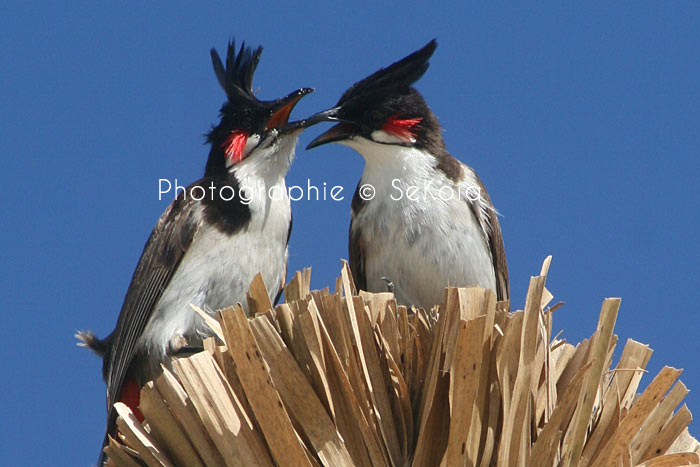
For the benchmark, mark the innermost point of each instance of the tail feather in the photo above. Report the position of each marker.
(89, 340)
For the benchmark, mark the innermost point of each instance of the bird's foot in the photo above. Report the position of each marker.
(389, 284)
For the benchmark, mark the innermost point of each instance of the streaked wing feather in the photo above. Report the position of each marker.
(357, 259)
(356, 248)
(487, 217)
(498, 254)
(161, 256)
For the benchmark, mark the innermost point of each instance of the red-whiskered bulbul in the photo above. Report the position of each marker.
(213, 238)
(429, 223)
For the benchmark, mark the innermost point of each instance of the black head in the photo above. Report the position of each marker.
(246, 122)
(385, 108)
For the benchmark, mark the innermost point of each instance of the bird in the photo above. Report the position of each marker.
(211, 241)
(421, 220)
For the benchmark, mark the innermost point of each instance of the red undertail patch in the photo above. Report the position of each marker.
(131, 396)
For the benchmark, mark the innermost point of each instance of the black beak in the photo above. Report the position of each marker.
(330, 115)
(280, 117)
(339, 132)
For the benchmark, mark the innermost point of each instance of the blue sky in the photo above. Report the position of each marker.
(581, 120)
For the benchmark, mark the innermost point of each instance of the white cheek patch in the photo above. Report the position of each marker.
(253, 141)
(382, 136)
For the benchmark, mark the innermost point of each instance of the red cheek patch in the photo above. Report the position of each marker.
(234, 145)
(401, 128)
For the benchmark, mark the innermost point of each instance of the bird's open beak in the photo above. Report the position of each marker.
(330, 115)
(343, 130)
(280, 116)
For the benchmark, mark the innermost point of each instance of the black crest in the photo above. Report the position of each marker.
(394, 79)
(237, 77)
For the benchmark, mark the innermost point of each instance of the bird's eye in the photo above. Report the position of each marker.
(377, 117)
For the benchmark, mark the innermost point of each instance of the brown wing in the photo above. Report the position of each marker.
(286, 264)
(161, 256)
(498, 254)
(487, 216)
(356, 244)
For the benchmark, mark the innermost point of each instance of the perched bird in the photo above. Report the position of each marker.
(421, 219)
(213, 238)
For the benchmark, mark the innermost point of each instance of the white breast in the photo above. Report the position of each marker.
(422, 245)
(217, 269)
(216, 272)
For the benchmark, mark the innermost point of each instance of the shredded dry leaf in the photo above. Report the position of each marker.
(344, 379)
